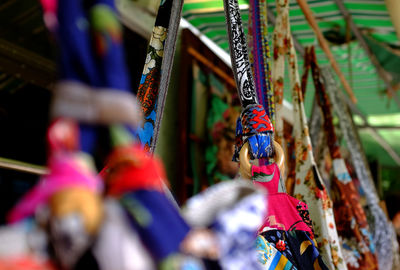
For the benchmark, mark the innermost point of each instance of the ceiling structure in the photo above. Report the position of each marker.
(372, 19)
(27, 53)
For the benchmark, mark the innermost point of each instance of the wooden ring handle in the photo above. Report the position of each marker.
(244, 160)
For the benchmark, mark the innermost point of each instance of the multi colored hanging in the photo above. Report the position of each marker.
(93, 90)
(153, 86)
(259, 54)
(94, 86)
(356, 239)
(381, 229)
(287, 226)
(253, 125)
(309, 186)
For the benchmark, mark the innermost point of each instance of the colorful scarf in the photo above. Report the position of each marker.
(309, 186)
(356, 239)
(381, 229)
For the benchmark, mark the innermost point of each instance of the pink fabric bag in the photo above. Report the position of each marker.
(284, 212)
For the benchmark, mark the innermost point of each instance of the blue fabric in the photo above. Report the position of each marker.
(76, 61)
(108, 45)
(91, 52)
(158, 223)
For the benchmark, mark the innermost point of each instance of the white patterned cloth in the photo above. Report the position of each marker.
(234, 211)
(308, 184)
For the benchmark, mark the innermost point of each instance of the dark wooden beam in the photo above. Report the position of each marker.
(26, 65)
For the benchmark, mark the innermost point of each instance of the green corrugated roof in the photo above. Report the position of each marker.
(370, 16)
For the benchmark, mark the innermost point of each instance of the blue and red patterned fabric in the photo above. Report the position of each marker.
(254, 126)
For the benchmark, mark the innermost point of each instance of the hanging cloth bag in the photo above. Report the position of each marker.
(308, 185)
(356, 239)
(381, 229)
(287, 226)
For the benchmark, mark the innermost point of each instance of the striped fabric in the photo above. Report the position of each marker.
(259, 54)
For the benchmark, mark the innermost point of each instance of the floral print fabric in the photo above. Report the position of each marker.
(149, 84)
(153, 86)
(233, 210)
(381, 229)
(358, 248)
(308, 185)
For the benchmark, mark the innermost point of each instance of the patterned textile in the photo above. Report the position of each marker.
(290, 159)
(287, 226)
(156, 71)
(259, 55)
(298, 246)
(253, 126)
(284, 212)
(236, 231)
(381, 229)
(353, 229)
(214, 111)
(270, 257)
(149, 84)
(309, 187)
(234, 211)
(239, 55)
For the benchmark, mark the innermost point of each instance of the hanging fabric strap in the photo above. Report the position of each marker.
(156, 74)
(322, 100)
(381, 229)
(259, 54)
(239, 55)
(309, 186)
(349, 212)
(253, 125)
